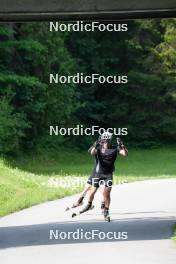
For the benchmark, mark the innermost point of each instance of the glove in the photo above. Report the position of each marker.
(120, 143)
(96, 143)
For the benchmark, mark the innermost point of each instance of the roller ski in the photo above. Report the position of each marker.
(106, 215)
(75, 205)
(88, 207)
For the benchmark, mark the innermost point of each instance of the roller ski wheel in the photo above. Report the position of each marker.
(108, 219)
(106, 215)
(73, 215)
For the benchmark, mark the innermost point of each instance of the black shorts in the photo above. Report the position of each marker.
(97, 180)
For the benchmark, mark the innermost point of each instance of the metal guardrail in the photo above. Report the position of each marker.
(18, 10)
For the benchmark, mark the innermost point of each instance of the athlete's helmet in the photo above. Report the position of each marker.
(106, 136)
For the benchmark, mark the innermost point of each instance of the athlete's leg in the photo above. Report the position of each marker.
(108, 182)
(86, 189)
(102, 200)
(83, 194)
(107, 196)
(91, 195)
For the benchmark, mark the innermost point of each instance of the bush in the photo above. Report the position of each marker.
(12, 126)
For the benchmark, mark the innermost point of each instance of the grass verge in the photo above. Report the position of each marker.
(26, 181)
(174, 233)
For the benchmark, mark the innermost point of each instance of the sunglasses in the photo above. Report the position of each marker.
(105, 141)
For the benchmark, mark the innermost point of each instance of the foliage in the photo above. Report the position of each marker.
(11, 129)
(29, 52)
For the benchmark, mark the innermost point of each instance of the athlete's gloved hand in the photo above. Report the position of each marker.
(120, 143)
(96, 143)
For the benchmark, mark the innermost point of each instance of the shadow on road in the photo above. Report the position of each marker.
(144, 228)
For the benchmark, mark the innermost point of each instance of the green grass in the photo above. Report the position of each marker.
(24, 181)
(174, 233)
(20, 189)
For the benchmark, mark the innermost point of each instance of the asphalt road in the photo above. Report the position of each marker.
(142, 213)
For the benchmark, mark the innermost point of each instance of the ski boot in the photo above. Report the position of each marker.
(106, 215)
(88, 207)
(77, 204)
